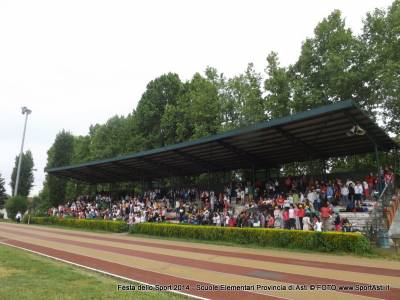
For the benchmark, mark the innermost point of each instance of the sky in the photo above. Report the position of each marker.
(77, 63)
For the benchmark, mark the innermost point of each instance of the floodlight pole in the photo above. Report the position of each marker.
(25, 111)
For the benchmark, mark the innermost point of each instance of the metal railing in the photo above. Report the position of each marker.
(378, 227)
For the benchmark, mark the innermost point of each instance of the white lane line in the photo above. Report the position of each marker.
(115, 275)
(100, 271)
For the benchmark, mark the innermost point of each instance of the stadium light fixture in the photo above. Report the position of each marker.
(355, 130)
(25, 111)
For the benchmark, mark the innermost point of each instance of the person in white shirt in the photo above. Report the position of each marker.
(18, 217)
(307, 223)
(311, 196)
(358, 191)
(214, 219)
(143, 218)
(301, 198)
(242, 196)
(137, 219)
(218, 220)
(227, 220)
(292, 217)
(344, 191)
(318, 225)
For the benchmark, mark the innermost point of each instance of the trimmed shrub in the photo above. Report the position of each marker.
(15, 205)
(282, 238)
(91, 224)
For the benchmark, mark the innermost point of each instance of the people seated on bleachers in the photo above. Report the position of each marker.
(298, 203)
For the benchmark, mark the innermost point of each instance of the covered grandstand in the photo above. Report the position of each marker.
(320, 133)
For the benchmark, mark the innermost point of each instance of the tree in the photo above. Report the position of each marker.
(15, 205)
(199, 108)
(26, 174)
(3, 195)
(381, 39)
(60, 154)
(160, 92)
(328, 69)
(107, 140)
(81, 151)
(277, 87)
(245, 91)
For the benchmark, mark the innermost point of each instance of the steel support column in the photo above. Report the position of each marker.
(378, 168)
(208, 180)
(396, 166)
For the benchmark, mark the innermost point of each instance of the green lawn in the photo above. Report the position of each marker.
(24, 275)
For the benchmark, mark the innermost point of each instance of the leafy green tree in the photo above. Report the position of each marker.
(81, 151)
(3, 195)
(60, 154)
(26, 174)
(107, 140)
(277, 87)
(328, 69)
(229, 110)
(200, 108)
(246, 94)
(159, 93)
(15, 205)
(381, 39)
(169, 123)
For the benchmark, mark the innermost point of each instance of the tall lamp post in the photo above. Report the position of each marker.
(25, 111)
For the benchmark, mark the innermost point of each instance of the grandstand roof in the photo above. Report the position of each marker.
(319, 133)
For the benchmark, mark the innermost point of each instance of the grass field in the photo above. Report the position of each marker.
(24, 275)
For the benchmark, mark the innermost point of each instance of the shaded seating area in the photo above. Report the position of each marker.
(336, 130)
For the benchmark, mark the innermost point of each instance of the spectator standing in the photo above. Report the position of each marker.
(292, 217)
(318, 225)
(18, 217)
(307, 223)
(344, 191)
(285, 216)
(358, 192)
(337, 222)
(325, 216)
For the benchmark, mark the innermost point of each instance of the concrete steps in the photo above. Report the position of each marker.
(359, 220)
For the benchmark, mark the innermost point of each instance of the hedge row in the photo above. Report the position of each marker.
(93, 224)
(282, 238)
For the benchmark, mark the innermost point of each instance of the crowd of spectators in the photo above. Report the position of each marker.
(292, 203)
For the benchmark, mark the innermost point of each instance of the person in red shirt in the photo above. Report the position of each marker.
(280, 200)
(285, 217)
(271, 221)
(325, 215)
(232, 222)
(370, 179)
(300, 215)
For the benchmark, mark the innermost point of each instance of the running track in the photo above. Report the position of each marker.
(156, 261)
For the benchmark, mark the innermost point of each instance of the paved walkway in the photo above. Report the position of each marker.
(193, 268)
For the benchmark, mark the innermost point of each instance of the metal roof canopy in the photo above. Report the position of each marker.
(315, 134)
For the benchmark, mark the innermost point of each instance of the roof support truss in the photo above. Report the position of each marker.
(252, 159)
(201, 164)
(299, 143)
